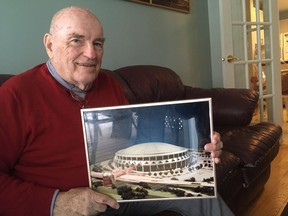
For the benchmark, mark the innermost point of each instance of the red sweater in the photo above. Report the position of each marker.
(41, 139)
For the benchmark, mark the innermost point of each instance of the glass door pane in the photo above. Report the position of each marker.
(252, 48)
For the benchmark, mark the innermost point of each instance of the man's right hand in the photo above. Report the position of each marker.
(82, 201)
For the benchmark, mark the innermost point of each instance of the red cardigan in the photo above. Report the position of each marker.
(41, 139)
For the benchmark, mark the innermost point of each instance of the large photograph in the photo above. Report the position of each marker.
(150, 151)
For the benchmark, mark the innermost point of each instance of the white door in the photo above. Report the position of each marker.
(248, 53)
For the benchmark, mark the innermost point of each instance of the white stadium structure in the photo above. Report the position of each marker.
(153, 157)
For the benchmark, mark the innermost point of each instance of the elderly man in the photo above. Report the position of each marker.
(42, 158)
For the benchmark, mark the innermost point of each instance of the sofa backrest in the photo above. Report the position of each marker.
(4, 78)
(149, 83)
(231, 106)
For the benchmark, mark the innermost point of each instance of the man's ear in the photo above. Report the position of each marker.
(47, 40)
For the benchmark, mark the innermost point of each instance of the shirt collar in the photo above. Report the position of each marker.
(63, 82)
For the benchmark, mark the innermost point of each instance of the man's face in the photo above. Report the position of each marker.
(75, 47)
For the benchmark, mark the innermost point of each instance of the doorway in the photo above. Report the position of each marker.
(249, 51)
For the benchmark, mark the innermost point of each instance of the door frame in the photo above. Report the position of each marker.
(217, 43)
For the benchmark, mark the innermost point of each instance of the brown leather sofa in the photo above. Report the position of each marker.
(248, 149)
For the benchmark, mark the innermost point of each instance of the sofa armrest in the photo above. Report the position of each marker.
(234, 107)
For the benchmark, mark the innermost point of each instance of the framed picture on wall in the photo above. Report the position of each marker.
(150, 151)
(281, 48)
(285, 46)
(178, 5)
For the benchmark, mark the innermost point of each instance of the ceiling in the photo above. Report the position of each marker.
(283, 5)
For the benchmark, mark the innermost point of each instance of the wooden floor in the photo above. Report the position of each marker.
(274, 197)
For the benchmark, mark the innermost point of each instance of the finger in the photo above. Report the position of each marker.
(216, 156)
(220, 145)
(99, 208)
(208, 147)
(216, 137)
(113, 204)
(213, 147)
(217, 160)
(104, 200)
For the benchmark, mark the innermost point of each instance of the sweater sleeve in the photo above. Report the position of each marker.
(17, 197)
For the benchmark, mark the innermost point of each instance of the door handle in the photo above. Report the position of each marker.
(231, 58)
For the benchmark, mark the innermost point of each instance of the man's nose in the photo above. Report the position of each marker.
(90, 51)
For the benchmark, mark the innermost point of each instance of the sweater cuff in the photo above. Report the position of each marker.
(53, 201)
